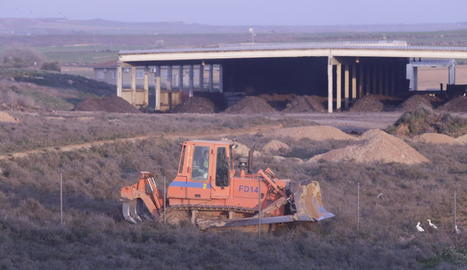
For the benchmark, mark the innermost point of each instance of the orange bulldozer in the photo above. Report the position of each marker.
(208, 192)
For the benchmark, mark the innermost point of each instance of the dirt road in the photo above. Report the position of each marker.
(80, 146)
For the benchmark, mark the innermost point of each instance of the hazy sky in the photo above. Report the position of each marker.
(245, 12)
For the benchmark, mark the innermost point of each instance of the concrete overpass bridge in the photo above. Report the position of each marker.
(342, 72)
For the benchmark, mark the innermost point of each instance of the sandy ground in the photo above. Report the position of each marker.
(430, 78)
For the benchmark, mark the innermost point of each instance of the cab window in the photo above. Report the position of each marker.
(200, 163)
(182, 160)
(222, 168)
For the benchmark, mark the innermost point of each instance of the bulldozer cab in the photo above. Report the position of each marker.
(205, 168)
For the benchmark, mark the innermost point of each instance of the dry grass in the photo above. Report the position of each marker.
(95, 236)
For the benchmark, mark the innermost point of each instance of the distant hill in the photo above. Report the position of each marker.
(47, 26)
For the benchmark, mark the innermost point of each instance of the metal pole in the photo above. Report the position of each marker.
(259, 209)
(358, 206)
(455, 209)
(61, 199)
(165, 201)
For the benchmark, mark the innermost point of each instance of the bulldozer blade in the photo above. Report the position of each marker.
(308, 203)
(130, 212)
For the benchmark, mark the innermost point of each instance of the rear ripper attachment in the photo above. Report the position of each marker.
(209, 192)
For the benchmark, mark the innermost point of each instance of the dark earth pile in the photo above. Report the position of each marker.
(305, 104)
(196, 105)
(278, 101)
(457, 104)
(426, 121)
(369, 103)
(251, 104)
(106, 104)
(414, 102)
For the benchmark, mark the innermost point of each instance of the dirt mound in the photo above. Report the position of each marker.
(251, 104)
(414, 102)
(195, 105)
(369, 103)
(435, 138)
(277, 101)
(315, 133)
(305, 104)
(7, 118)
(457, 104)
(462, 139)
(377, 146)
(426, 121)
(106, 104)
(274, 146)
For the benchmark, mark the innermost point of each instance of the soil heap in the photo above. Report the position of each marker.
(457, 104)
(369, 103)
(106, 104)
(195, 105)
(315, 133)
(435, 138)
(7, 118)
(462, 139)
(305, 104)
(414, 102)
(274, 146)
(251, 104)
(376, 146)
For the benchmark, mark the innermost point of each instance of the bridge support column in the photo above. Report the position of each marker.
(452, 72)
(133, 84)
(338, 86)
(191, 81)
(146, 87)
(330, 85)
(354, 81)
(211, 78)
(346, 86)
(180, 77)
(221, 78)
(119, 80)
(157, 89)
(169, 78)
(201, 77)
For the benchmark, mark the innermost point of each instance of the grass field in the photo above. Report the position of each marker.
(94, 234)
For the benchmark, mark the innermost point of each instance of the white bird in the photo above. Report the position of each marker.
(457, 229)
(419, 228)
(380, 195)
(432, 225)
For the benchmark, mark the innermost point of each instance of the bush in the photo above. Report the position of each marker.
(51, 66)
(423, 120)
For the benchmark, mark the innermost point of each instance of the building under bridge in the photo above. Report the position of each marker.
(342, 72)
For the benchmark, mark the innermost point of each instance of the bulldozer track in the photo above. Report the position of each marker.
(214, 208)
(171, 136)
